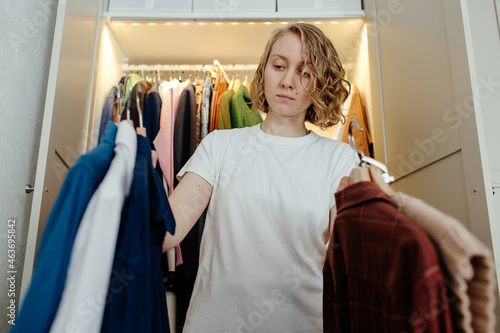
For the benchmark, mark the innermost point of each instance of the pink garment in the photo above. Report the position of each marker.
(169, 93)
(164, 142)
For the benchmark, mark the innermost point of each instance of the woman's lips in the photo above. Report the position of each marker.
(285, 98)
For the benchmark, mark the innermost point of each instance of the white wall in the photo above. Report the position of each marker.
(26, 33)
(108, 73)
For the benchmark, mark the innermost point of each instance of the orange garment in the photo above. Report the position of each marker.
(213, 103)
(357, 111)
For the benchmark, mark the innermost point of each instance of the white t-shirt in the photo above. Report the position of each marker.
(263, 245)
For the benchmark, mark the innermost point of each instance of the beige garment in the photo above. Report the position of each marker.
(471, 271)
(198, 88)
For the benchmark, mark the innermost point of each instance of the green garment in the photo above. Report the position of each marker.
(130, 83)
(224, 120)
(242, 113)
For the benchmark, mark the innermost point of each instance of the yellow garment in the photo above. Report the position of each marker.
(357, 111)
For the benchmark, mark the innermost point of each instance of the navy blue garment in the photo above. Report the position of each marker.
(42, 299)
(107, 111)
(136, 293)
(152, 112)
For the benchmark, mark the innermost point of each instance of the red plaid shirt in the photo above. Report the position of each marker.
(381, 273)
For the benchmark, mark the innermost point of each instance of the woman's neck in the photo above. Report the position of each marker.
(283, 127)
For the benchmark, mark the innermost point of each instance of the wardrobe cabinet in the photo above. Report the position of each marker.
(428, 72)
(221, 6)
(234, 9)
(151, 5)
(317, 5)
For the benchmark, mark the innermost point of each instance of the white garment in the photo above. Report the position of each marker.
(82, 304)
(263, 243)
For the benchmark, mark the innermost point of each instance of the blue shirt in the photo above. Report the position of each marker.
(42, 299)
(136, 295)
(107, 112)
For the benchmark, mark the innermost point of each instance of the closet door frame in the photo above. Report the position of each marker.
(67, 112)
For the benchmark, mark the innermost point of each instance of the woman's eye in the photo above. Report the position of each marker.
(278, 67)
(304, 73)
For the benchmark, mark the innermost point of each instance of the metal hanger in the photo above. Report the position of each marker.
(366, 161)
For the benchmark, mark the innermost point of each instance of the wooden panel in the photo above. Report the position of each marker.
(416, 83)
(446, 179)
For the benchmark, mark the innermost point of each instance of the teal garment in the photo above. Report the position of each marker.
(242, 113)
(130, 82)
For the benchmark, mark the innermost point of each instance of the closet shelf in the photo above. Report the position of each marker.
(232, 15)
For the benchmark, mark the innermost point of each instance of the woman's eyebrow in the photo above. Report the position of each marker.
(276, 55)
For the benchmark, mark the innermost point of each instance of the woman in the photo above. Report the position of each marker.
(270, 195)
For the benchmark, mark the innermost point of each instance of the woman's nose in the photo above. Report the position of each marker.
(287, 80)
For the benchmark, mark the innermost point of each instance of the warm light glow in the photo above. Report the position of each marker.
(267, 23)
(201, 23)
(168, 23)
(251, 23)
(352, 22)
(234, 23)
(335, 22)
(218, 23)
(152, 23)
(185, 23)
(317, 22)
(135, 23)
(119, 23)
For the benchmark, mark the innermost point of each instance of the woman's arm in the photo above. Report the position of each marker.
(187, 201)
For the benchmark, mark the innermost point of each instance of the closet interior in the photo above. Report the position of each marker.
(186, 49)
(166, 50)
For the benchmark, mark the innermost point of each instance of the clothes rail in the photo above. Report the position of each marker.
(186, 68)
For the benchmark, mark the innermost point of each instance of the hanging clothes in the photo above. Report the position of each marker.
(94, 246)
(205, 107)
(219, 89)
(107, 111)
(242, 113)
(136, 300)
(198, 89)
(469, 264)
(357, 111)
(381, 273)
(224, 119)
(130, 82)
(134, 111)
(169, 93)
(152, 114)
(49, 277)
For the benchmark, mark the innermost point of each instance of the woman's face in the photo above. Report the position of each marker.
(282, 87)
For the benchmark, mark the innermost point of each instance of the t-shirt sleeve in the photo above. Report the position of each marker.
(348, 159)
(203, 161)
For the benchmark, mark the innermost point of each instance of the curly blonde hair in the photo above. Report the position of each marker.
(329, 88)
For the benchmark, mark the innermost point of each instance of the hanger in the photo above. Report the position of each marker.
(369, 168)
(141, 129)
(245, 82)
(119, 96)
(237, 83)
